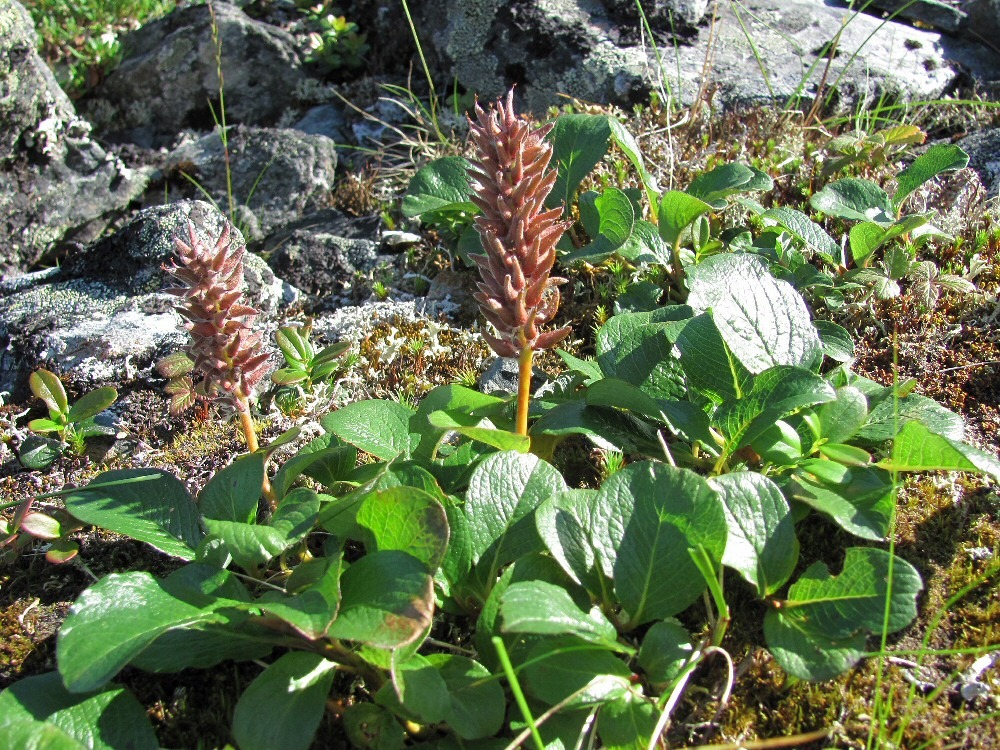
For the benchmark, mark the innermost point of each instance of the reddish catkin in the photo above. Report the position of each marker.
(224, 347)
(510, 181)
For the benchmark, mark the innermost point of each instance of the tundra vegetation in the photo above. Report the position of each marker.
(726, 492)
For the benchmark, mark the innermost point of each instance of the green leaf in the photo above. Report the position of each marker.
(916, 448)
(630, 148)
(807, 654)
(477, 428)
(761, 545)
(837, 342)
(289, 376)
(626, 723)
(150, 505)
(407, 519)
(840, 420)
(113, 621)
(858, 499)
(283, 706)
(616, 218)
(887, 416)
(27, 734)
(386, 600)
(559, 667)
(373, 727)
(854, 199)
(41, 526)
(563, 523)
(665, 649)
(677, 211)
(646, 517)
(504, 491)
(322, 458)
(776, 393)
(42, 424)
(579, 142)
(941, 157)
(233, 493)
(632, 349)
(107, 720)
(764, 321)
(205, 645)
(610, 429)
(378, 427)
(805, 230)
(546, 609)
(92, 403)
(311, 609)
(47, 386)
(588, 368)
(37, 452)
(477, 702)
(866, 238)
(707, 362)
(294, 346)
(416, 687)
(645, 245)
(442, 185)
(452, 399)
(253, 545)
(850, 455)
(725, 180)
(874, 591)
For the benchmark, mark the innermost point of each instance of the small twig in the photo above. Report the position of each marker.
(795, 740)
(974, 364)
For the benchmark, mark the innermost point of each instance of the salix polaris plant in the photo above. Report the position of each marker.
(224, 348)
(510, 181)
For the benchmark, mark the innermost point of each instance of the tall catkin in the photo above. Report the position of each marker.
(224, 348)
(510, 182)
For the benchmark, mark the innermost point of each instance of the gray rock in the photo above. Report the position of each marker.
(501, 376)
(322, 252)
(56, 184)
(937, 15)
(327, 120)
(555, 47)
(103, 316)
(277, 174)
(983, 148)
(168, 76)
(665, 15)
(984, 20)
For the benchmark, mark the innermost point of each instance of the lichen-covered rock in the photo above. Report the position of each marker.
(552, 48)
(983, 148)
(984, 20)
(56, 184)
(665, 15)
(931, 13)
(103, 316)
(277, 174)
(321, 253)
(168, 76)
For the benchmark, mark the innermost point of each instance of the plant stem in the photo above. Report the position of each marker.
(243, 407)
(523, 389)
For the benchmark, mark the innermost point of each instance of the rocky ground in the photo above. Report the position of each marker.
(93, 191)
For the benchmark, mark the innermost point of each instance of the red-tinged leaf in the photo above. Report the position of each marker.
(41, 525)
(62, 550)
(174, 365)
(47, 386)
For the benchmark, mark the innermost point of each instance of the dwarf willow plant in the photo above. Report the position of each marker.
(740, 417)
